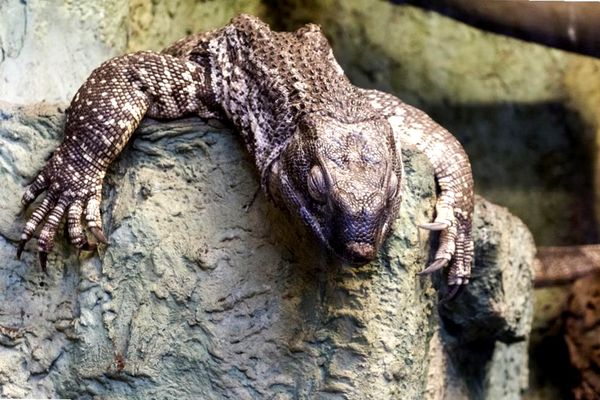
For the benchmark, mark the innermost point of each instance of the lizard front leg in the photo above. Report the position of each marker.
(100, 121)
(454, 207)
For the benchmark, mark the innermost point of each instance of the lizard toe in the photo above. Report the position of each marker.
(434, 226)
(75, 230)
(98, 234)
(38, 215)
(447, 244)
(460, 267)
(434, 266)
(39, 184)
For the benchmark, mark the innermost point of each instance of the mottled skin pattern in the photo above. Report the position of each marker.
(326, 151)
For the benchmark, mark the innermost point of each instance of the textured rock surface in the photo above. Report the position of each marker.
(501, 286)
(204, 293)
(157, 24)
(49, 47)
(486, 329)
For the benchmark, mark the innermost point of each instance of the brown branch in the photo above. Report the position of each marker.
(557, 265)
(571, 26)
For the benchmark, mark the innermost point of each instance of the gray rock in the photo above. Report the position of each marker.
(48, 47)
(498, 304)
(480, 350)
(205, 293)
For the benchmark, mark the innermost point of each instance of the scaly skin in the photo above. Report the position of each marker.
(326, 151)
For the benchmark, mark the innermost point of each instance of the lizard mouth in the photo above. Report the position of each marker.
(357, 240)
(359, 253)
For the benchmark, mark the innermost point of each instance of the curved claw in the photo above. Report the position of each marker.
(437, 264)
(43, 260)
(98, 234)
(453, 292)
(434, 226)
(20, 248)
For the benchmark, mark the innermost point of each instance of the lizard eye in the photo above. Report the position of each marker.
(392, 186)
(316, 184)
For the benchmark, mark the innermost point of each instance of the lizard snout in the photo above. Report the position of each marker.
(360, 253)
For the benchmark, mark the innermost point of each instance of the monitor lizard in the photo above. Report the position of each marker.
(327, 151)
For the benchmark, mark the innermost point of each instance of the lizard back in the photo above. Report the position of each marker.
(265, 81)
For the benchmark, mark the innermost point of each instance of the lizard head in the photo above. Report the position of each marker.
(343, 180)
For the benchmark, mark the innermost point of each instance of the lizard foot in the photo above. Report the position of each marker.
(455, 249)
(65, 196)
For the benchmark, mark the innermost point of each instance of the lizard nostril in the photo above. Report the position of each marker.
(360, 252)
